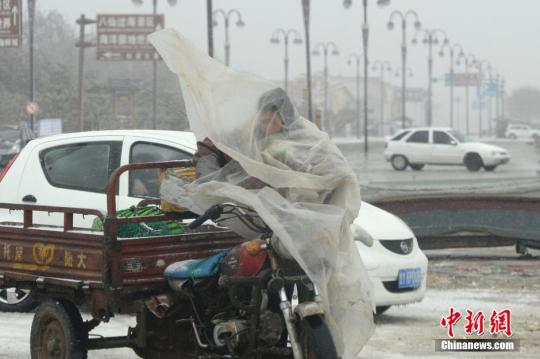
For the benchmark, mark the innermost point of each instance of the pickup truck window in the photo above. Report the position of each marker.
(81, 166)
(419, 137)
(145, 183)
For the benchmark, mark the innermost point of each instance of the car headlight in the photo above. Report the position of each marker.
(404, 246)
(498, 153)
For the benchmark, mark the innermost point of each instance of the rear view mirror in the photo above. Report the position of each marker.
(453, 143)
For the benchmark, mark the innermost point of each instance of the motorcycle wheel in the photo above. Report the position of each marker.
(316, 339)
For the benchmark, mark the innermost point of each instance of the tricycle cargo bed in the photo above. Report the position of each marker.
(76, 258)
(83, 259)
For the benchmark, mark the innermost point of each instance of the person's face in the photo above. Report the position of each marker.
(270, 123)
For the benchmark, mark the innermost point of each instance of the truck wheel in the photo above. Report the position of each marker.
(316, 340)
(15, 299)
(473, 162)
(399, 162)
(58, 332)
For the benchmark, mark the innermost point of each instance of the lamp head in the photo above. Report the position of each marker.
(390, 25)
(417, 25)
(382, 3)
(274, 40)
(172, 2)
(347, 4)
(335, 52)
(298, 41)
(137, 2)
(414, 41)
(316, 52)
(240, 23)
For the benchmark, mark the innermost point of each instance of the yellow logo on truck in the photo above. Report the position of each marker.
(43, 253)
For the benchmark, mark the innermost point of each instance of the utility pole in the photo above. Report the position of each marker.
(82, 45)
(154, 75)
(305, 11)
(210, 27)
(31, 17)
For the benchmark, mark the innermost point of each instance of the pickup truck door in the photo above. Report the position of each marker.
(72, 173)
(138, 185)
(446, 149)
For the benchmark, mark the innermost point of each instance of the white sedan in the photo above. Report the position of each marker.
(395, 263)
(417, 147)
(71, 170)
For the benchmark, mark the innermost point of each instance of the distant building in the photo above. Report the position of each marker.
(342, 119)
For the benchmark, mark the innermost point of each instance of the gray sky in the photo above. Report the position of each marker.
(499, 31)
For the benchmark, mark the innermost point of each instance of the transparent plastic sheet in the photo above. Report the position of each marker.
(285, 169)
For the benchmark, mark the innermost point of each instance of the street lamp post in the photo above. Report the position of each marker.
(501, 94)
(356, 58)
(480, 67)
(430, 39)
(154, 61)
(31, 18)
(381, 66)
(297, 41)
(325, 47)
(418, 26)
(226, 17)
(451, 49)
(399, 70)
(468, 60)
(365, 38)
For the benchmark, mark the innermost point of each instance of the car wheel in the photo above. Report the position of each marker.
(15, 299)
(490, 168)
(399, 162)
(473, 162)
(416, 166)
(381, 309)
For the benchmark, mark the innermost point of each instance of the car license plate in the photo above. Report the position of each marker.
(409, 278)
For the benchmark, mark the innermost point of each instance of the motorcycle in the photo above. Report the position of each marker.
(249, 302)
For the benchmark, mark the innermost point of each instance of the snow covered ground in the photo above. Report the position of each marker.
(478, 279)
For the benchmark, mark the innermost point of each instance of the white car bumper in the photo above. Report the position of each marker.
(496, 160)
(383, 268)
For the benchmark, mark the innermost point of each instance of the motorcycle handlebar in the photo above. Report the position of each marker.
(212, 213)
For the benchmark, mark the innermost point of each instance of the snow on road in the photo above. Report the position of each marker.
(481, 279)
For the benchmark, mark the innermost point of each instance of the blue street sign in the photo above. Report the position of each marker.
(487, 89)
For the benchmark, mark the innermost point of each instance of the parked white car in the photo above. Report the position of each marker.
(417, 147)
(395, 263)
(72, 170)
(515, 131)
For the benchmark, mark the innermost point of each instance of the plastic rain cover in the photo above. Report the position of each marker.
(309, 195)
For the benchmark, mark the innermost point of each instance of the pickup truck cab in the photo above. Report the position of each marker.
(417, 147)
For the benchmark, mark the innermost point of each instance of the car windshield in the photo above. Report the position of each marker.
(458, 136)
